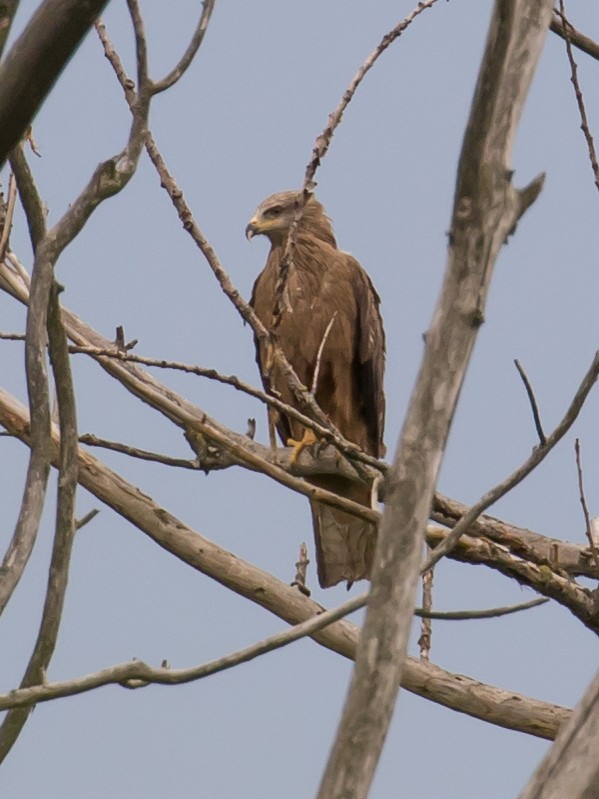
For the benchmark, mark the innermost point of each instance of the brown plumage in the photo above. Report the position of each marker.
(325, 284)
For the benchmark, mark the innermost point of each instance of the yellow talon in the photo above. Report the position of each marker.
(307, 440)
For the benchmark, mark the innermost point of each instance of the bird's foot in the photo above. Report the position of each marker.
(307, 440)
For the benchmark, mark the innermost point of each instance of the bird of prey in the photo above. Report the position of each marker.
(331, 318)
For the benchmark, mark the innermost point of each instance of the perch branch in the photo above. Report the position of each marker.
(455, 691)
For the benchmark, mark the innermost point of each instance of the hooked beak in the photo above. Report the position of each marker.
(251, 230)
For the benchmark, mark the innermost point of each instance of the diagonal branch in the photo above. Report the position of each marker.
(458, 692)
(51, 37)
(486, 210)
(537, 456)
(322, 145)
(562, 27)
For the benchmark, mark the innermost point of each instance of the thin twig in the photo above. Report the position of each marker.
(134, 452)
(316, 374)
(79, 523)
(563, 28)
(138, 672)
(584, 124)
(321, 147)
(585, 509)
(301, 570)
(533, 402)
(26, 528)
(184, 62)
(8, 215)
(230, 380)
(470, 615)
(426, 628)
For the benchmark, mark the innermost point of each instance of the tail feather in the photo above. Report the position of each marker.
(344, 543)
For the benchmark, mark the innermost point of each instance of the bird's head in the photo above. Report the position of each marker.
(274, 216)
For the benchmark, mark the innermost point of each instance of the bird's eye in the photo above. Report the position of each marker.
(274, 212)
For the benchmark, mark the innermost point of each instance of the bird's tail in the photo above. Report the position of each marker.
(344, 543)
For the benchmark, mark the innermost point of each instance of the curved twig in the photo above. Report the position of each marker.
(471, 615)
(184, 62)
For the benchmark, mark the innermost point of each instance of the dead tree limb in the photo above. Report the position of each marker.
(36, 60)
(486, 211)
(571, 767)
(458, 692)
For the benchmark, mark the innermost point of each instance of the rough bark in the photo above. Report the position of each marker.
(571, 767)
(486, 211)
(36, 60)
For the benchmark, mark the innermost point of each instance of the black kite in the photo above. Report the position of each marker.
(333, 307)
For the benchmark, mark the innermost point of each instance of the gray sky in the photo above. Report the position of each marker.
(241, 125)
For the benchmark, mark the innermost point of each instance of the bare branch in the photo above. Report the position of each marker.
(584, 123)
(486, 210)
(79, 523)
(301, 569)
(7, 15)
(65, 519)
(137, 671)
(426, 628)
(30, 197)
(198, 37)
(561, 26)
(12, 336)
(471, 615)
(133, 452)
(323, 433)
(538, 455)
(540, 549)
(533, 402)
(41, 52)
(7, 215)
(571, 767)
(459, 692)
(585, 510)
(320, 149)
(34, 493)
(549, 582)
(534, 547)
